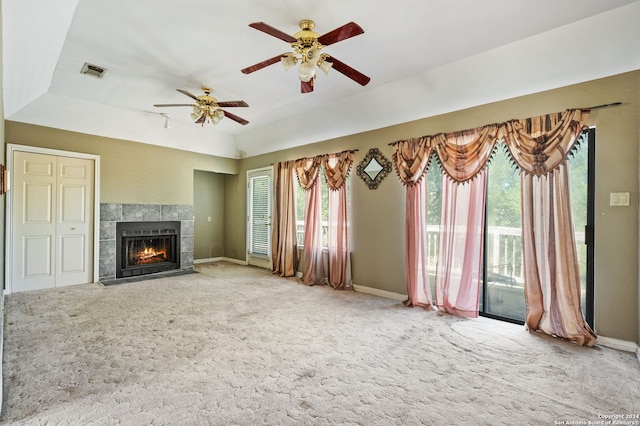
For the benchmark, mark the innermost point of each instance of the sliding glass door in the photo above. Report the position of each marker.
(582, 203)
(502, 290)
(502, 293)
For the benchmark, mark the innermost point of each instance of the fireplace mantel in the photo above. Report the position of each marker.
(111, 213)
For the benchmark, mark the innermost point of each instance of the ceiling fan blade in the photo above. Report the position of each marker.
(345, 69)
(228, 104)
(265, 28)
(306, 87)
(172, 105)
(235, 118)
(262, 64)
(191, 95)
(342, 33)
(201, 119)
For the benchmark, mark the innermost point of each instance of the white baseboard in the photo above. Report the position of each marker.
(211, 259)
(381, 293)
(622, 345)
(218, 259)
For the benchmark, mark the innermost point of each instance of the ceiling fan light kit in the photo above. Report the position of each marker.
(306, 71)
(288, 60)
(323, 64)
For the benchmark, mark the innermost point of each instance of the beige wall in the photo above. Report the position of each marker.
(378, 216)
(208, 190)
(130, 172)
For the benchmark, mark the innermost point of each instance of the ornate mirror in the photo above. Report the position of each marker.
(373, 168)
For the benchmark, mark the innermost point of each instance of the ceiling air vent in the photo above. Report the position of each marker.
(93, 70)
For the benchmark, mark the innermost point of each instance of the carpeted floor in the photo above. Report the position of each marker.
(235, 345)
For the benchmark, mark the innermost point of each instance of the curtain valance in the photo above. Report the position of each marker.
(537, 145)
(541, 144)
(336, 169)
(411, 157)
(307, 170)
(464, 154)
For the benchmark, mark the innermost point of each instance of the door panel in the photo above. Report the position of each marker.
(72, 203)
(38, 203)
(37, 257)
(73, 247)
(38, 166)
(73, 171)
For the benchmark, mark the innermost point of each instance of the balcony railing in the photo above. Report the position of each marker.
(300, 232)
(504, 250)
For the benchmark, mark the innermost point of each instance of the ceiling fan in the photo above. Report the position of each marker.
(209, 109)
(307, 46)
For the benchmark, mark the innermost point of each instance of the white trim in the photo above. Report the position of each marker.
(211, 259)
(381, 293)
(237, 261)
(259, 261)
(220, 259)
(622, 345)
(11, 148)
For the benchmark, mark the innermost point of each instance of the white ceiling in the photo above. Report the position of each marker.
(424, 57)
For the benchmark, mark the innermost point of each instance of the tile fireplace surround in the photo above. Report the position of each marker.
(111, 213)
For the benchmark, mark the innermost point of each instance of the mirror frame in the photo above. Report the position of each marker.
(373, 154)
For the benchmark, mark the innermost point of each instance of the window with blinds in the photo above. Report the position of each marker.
(259, 212)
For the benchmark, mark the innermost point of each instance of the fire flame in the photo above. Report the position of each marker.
(148, 252)
(149, 255)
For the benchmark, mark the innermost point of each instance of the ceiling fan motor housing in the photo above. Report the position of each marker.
(207, 99)
(306, 43)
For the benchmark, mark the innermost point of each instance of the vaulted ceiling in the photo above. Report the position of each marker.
(424, 57)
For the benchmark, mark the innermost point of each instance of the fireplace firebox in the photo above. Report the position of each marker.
(147, 247)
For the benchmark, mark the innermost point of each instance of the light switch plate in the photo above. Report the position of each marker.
(619, 199)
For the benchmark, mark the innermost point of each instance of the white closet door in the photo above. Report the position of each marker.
(52, 238)
(74, 234)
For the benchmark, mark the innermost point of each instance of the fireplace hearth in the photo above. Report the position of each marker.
(147, 247)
